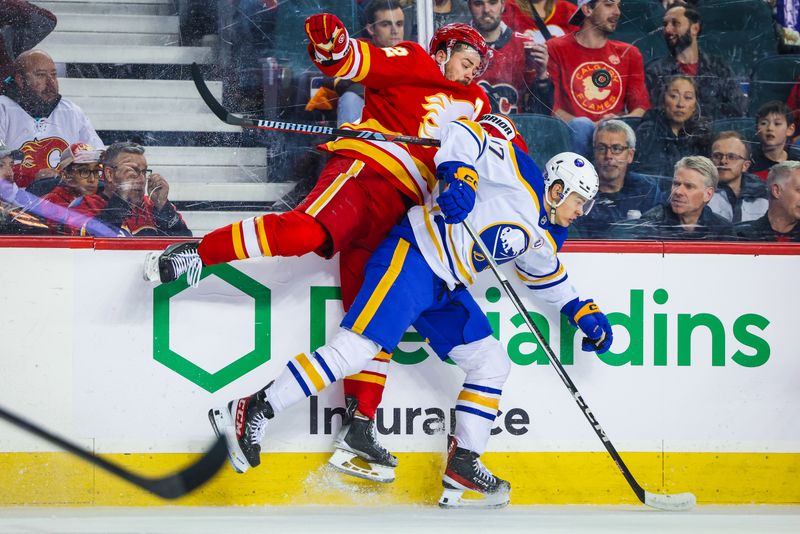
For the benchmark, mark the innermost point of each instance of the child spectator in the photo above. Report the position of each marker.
(673, 130)
(79, 171)
(14, 220)
(775, 128)
(780, 223)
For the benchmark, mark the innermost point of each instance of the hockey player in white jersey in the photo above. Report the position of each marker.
(418, 276)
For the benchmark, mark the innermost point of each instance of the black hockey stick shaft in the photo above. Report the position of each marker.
(294, 127)
(562, 373)
(168, 487)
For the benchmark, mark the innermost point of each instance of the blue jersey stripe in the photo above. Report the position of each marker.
(484, 389)
(299, 378)
(324, 365)
(551, 284)
(558, 266)
(475, 411)
(481, 146)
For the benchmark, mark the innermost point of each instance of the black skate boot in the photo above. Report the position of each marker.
(358, 452)
(176, 259)
(466, 472)
(243, 422)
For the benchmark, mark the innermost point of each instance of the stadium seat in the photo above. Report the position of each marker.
(772, 79)
(633, 122)
(546, 136)
(741, 31)
(744, 125)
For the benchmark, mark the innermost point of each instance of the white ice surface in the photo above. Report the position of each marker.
(409, 519)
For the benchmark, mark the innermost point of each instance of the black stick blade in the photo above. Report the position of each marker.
(212, 103)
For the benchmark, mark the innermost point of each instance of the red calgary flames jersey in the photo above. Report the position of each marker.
(593, 82)
(507, 81)
(405, 93)
(557, 21)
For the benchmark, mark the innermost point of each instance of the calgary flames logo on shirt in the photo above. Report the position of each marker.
(442, 109)
(596, 87)
(38, 154)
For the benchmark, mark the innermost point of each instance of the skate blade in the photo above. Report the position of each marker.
(223, 426)
(454, 498)
(150, 271)
(351, 464)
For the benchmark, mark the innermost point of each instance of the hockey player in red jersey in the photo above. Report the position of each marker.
(367, 186)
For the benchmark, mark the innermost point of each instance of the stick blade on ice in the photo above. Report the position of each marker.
(676, 502)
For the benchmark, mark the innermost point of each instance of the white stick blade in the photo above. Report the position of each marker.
(676, 502)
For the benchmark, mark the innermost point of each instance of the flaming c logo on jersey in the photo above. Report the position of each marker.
(596, 87)
(37, 155)
(443, 109)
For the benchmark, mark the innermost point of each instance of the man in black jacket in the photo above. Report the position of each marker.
(782, 220)
(719, 93)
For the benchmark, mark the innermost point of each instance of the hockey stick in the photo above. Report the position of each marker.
(168, 487)
(281, 126)
(670, 502)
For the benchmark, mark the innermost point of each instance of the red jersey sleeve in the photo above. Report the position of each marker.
(379, 68)
(636, 95)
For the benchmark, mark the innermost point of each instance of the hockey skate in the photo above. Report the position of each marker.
(358, 452)
(465, 472)
(169, 265)
(243, 423)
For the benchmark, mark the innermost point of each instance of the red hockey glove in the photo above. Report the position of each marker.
(328, 36)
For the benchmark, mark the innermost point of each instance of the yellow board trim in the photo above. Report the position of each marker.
(372, 379)
(236, 235)
(286, 479)
(262, 236)
(375, 300)
(489, 402)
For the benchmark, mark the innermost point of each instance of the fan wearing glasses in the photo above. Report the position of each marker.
(79, 172)
(623, 195)
(134, 198)
(740, 196)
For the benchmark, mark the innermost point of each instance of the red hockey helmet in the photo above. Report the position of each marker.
(501, 126)
(450, 34)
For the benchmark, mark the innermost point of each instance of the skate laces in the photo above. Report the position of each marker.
(188, 261)
(481, 471)
(377, 444)
(257, 427)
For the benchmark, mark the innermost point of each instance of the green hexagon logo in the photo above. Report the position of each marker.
(182, 365)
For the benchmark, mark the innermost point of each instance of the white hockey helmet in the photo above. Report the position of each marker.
(578, 176)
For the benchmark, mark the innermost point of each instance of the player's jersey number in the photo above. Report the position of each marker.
(395, 51)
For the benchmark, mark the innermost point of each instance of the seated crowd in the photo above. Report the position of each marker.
(665, 171)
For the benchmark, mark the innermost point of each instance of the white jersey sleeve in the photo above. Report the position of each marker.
(463, 141)
(542, 271)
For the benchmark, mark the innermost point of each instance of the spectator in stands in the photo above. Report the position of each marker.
(774, 129)
(719, 93)
(517, 79)
(686, 216)
(740, 196)
(672, 130)
(448, 12)
(79, 172)
(521, 16)
(13, 219)
(35, 118)
(22, 26)
(594, 77)
(780, 223)
(623, 195)
(134, 198)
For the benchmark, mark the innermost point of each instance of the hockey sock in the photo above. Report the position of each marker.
(293, 233)
(304, 376)
(487, 368)
(368, 385)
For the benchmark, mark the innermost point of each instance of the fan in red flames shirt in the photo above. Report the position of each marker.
(554, 13)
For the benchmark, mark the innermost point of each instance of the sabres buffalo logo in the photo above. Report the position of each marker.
(596, 86)
(505, 241)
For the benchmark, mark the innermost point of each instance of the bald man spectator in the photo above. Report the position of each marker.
(22, 26)
(36, 120)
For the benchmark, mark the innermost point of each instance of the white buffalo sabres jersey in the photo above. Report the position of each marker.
(508, 215)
